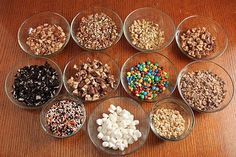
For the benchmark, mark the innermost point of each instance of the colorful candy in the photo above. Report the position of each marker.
(147, 80)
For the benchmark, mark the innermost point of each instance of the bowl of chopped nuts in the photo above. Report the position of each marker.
(201, 38)
(91, 76)
(149, 29)
(118, 126)
(171, 119)
(44, 34)
(148, 77)
(63, 117)
(96, 28)
(205, 86)
(33, 83)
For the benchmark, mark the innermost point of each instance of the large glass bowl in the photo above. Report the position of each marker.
(212, 26)
(164, 21)
(93, 10)
(81, 58)
(50, 104)
(30, 61)
(216, 69)
(140, 57)
(39, 19)
(185, 111)
(125, 103)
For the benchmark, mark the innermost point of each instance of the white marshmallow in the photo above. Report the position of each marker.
(99, 121)
(118, 128)
(105, 144)
(100, 135)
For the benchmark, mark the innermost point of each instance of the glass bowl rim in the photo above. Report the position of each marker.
(90, 52)
(91, 8)
(32, 17)
(133, 103)
(215, 64)
(212, 21)
(145, 50)
(20, 65)
(148, 101)
(178, 102)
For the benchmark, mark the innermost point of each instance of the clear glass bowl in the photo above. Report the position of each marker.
(216, 69)
(50, 104)
(157, 16)
(81, 58)
(140, 57)
(30, 61)
(185, 111)
(212, 26)
(93, 10)
(125, 103)
(39, 19)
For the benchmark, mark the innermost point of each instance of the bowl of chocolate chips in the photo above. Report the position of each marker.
(34, 83)
(91, 76)
(201, 38)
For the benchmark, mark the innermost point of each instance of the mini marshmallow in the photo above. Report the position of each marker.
(117, 129)
(105, 115)
(100, 135)
(99, 121)
(105, 144)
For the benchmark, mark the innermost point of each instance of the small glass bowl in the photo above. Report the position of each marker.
(93, 10)
(125, 103)
(157, 16)
(212, 26)
(81, 58)
(30, 61)
(185, 111)
(216, 69)
(50, 104)
(140, 57)
(39, 19)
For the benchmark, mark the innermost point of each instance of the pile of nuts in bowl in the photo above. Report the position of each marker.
(92, 80)
(146, 34)
(97, 31)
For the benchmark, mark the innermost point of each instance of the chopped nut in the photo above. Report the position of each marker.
(168, 123)
(146, 34)
(97, 31)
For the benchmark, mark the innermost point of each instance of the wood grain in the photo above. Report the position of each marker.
(21, 135)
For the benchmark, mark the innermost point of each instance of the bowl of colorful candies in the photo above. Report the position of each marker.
(148, 77)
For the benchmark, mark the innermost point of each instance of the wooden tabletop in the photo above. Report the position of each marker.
(214, 135)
